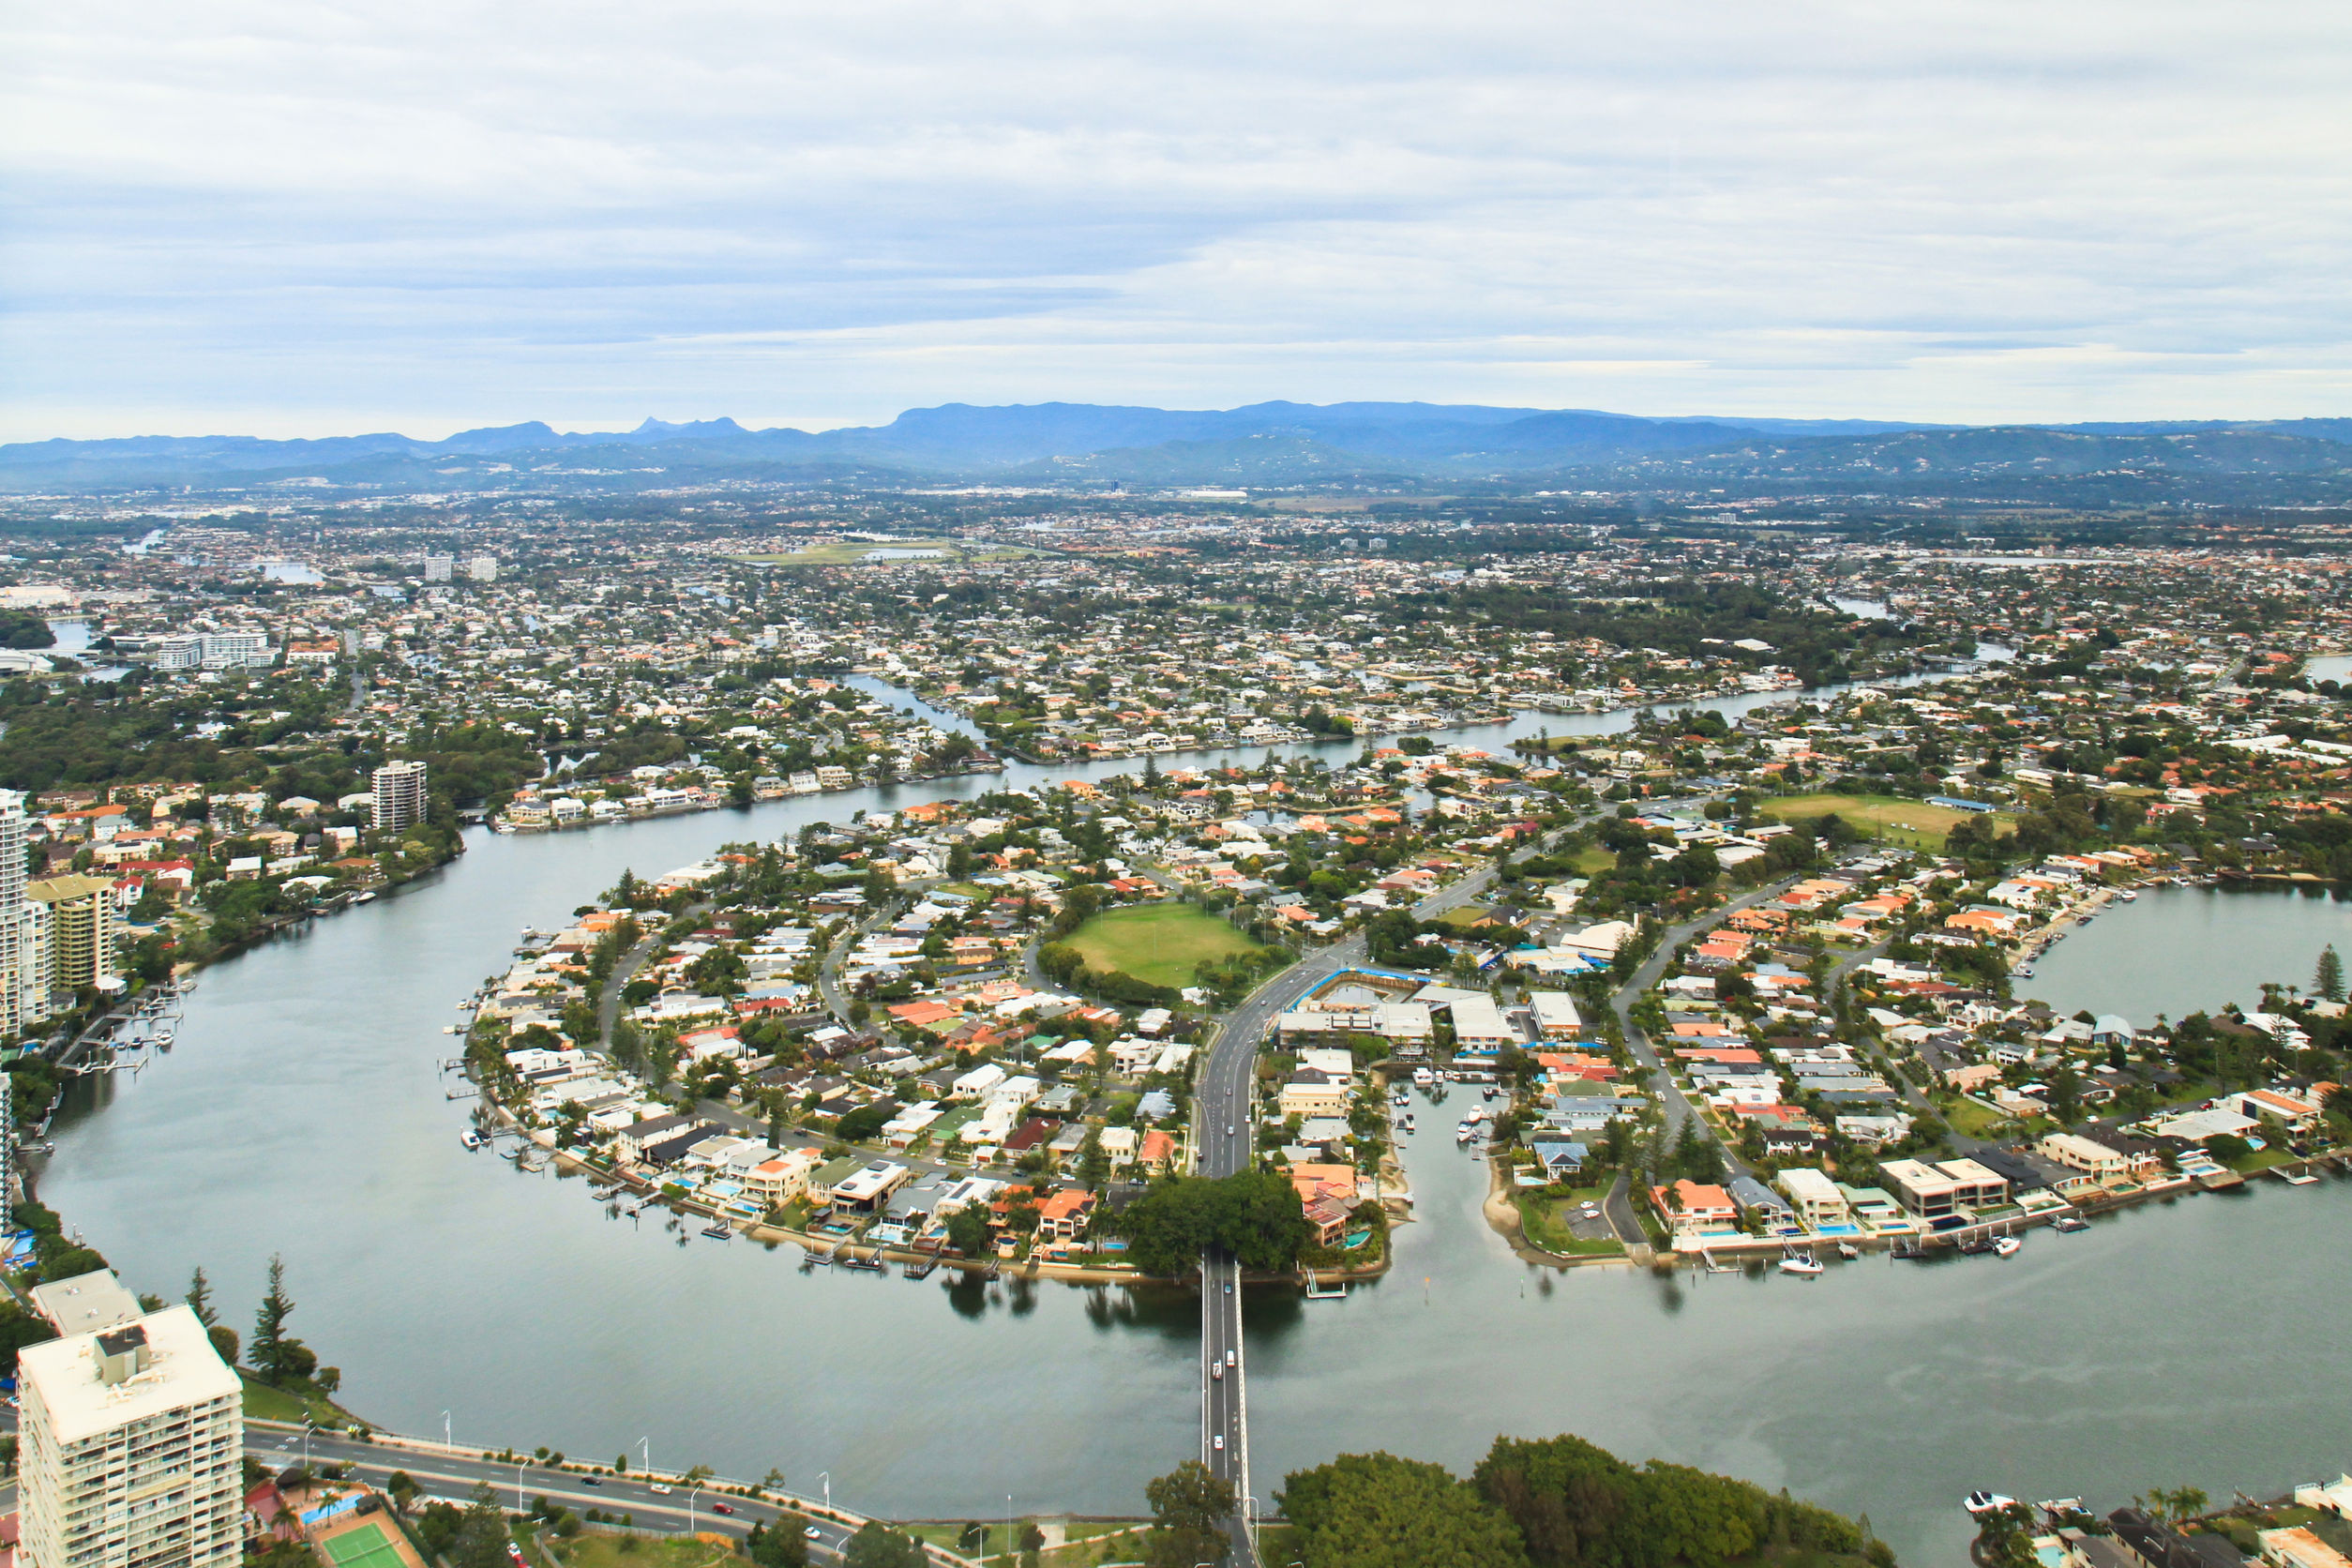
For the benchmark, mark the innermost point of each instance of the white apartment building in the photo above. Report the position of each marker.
(399, 796)
(23, 961)
(132, 1443)
(439, 568)
(483, 568)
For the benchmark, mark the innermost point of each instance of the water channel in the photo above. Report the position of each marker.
(301, 1113)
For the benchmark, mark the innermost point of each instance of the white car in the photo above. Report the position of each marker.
(1217, 1442)
(662, 1489)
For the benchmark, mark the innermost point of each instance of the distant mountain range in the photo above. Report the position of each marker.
(1271, 445)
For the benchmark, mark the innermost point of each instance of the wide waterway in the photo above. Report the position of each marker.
(2180, 950)
(301, 1113)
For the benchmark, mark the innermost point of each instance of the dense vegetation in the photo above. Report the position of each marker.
(1253, 1214)
(1553, 1503)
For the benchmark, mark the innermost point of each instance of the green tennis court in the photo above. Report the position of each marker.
(364, 1547)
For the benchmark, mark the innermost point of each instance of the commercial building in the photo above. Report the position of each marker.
(132, 1439)
(400, 795)
(77, 927)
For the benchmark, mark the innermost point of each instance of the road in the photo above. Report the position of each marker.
(452, 1477)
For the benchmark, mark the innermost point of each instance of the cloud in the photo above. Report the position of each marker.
(305, 218)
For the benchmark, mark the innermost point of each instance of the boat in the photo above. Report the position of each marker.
(368, 897)
(720, 1231)
(1424, 1078)
(2025, 972)
(471, 1139)
(2129, 897)
(1408, 1122)
(2070, 1224)
(1982, 1503)
(1800, 1263)
(1977, 1246)
(2008, 1247)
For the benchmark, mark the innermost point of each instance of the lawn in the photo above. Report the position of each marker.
(595, 1549)
(264, 1403)
(1542, 1220)
(1912, 823)
(1159, 944)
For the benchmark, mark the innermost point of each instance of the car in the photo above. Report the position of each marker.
(1229, 1288)
(514, 1555)
(814, 1533)
(721, 1508)
(590, 1481)
(1216, 1371)
(1228, 1132)
(1218, 1443)
(659, 1488)
(1232, 1358)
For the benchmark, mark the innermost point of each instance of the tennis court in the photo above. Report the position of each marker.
(364, 1547)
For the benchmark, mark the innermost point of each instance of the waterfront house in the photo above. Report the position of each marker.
(1688, 1206)
(631, 1143)
(1945, 1190)
(1816, 1199)
(2298, 1548)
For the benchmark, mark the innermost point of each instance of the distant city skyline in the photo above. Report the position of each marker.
(256, 222)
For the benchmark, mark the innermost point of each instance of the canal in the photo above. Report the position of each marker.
(301, 1113)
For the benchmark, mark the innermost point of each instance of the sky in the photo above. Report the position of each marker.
(312, 217)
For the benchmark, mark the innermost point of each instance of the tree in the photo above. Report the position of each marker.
(1190, 1507)
(968, 1229)
(1378, 1511)
(481, 1539)
(2328, 980)
(269, 1324)
(778, 1546)
(877, 1545)
(199, 1299)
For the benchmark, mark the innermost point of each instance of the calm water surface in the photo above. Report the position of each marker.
(2178, 950)
(301, 1113)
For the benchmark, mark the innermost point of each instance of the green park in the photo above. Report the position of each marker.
(1164, 944)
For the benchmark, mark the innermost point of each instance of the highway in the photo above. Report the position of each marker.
(452, 1477)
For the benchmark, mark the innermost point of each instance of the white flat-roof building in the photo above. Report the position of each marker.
(1816, 1199)
(1555, 1015)
(133, 1447)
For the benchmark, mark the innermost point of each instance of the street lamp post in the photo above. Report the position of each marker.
(446, 1442)
(645, 1446)
(826, 1476)
(691, 1493)
(517, 1485)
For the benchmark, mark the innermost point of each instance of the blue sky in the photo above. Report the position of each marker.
(310, 219)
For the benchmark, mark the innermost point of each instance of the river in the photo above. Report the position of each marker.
(301, 1113)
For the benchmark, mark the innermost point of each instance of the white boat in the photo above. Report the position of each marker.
(471, 1139)
(1987, 1502)
(2007, 1246)
(1802, 1264)
(1424, 1078)
(2068, 1224)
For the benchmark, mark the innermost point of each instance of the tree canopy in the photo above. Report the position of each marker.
(1253, 1214)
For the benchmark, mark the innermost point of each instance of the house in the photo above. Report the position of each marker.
(1686, 1205)
(1329, 1218)
(1310, 1092)
(1062, 1215)
(631, 1143)
(1156, 1151)
(2080, 1154)
(2298, 1548)
(867, 1188)
(1555, 1015)
(778, 1180)
(1560, 1157)
(1935, 1192)
(1816, 1199)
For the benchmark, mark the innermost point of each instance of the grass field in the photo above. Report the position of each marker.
(1912, 823)
(595, 1548)
(264, 1403)
(1161, 943)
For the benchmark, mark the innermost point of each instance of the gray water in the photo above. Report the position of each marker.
(2328, 666)
(301, 1112)
(2179, 950)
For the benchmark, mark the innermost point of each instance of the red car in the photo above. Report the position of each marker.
(720, 1508)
